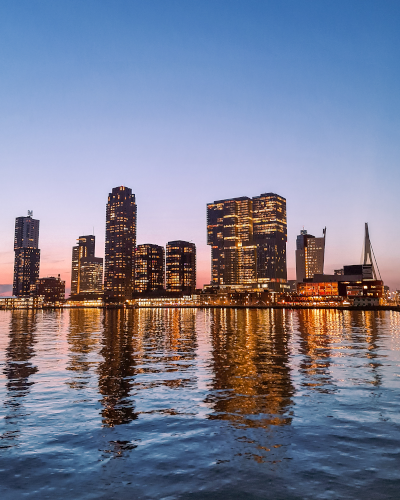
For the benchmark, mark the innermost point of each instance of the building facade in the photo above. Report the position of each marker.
(310, 255)
(85, 249)
(27, 255)
(121, 214)
(248, 240)
(91, 275)
(181, 267)
(149, 268)
(52, 289)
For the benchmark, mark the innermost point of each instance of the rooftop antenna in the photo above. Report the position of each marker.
(369, 254)
(30, 213)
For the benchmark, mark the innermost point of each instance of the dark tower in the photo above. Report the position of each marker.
(181, 267)
(120, 244)
(27, 255)
(149, 268)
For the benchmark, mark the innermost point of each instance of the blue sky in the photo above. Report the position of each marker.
(187, 102)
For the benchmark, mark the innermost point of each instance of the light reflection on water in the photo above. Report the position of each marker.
(193, 403)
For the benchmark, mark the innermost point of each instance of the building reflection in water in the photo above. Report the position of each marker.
(169, 343)
(328, 334)
(367, 324)
(251, 383)
(318, 329)
(83, 339)
(117, 370)
(19, 367)
(145, 350)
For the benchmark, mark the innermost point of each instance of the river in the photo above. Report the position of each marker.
(199, 404)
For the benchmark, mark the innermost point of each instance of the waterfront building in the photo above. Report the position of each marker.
(310, 253)
(27, 255)
(248, 240)
(52, 289)
(181, 267)
(91, 275)
(120, 245)
(349, 284)
(149, 268)
(84, 249)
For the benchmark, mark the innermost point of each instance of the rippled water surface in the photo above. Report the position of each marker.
(202, 404)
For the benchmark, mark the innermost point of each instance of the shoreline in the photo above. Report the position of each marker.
(184, 306)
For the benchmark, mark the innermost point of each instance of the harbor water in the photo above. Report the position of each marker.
(199, 404)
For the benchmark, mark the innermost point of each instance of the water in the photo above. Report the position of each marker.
(199, 404)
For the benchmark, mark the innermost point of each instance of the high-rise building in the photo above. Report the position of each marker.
(27, 255)
(84, 249)
(149, 268)
(310, 254)
(91, 275)
(181, 267)
(120, 244)
(248, 240)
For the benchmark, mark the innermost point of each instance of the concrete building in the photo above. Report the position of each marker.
(52, 290)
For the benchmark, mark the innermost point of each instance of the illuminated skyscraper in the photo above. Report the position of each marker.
(120, 244)
(91, 275)
(248, 240)
(310, 252)
(181, 267)
(149, 268)
(27, 255)
(84, 249)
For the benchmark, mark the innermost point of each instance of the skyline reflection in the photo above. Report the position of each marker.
(251, 382)
(18, 369)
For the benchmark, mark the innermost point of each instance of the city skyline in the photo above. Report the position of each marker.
(247, 238)
(187, 104)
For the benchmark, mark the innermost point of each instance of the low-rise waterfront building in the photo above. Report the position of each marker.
(52, 290)
(28, 302)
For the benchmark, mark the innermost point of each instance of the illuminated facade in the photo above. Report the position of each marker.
(91, 275)
(84, 250)
(318, 289)
(27, 255)
(310, 253)
(181, 267)
(149, 268)
(248, 240)
(120, 244)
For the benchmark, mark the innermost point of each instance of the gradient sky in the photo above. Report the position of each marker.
(187, 102)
